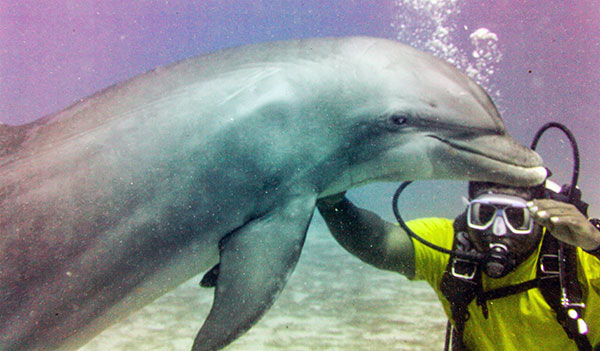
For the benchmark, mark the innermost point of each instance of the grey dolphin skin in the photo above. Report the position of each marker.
(123, 196)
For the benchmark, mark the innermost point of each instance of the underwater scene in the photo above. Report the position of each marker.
(538, 61)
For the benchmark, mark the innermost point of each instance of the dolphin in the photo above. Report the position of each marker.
(219, 159)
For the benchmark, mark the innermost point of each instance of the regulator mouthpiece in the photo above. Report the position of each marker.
(497, 264)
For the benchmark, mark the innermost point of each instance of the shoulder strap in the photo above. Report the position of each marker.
(461, 283)
(558, 283)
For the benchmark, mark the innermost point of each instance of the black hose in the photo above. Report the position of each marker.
(412, 234)
(571, 137)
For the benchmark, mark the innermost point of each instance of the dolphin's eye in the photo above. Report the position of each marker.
(399, 119)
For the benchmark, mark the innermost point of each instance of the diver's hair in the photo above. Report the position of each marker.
(535, 192)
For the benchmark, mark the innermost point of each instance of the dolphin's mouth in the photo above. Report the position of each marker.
(472, 150)
(503, 158)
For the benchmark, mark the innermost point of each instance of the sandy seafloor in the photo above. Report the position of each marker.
(333, 301)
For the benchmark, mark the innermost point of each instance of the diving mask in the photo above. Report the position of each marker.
(503, 213)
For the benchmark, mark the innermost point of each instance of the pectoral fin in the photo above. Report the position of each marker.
(256, 262)
(210, 278)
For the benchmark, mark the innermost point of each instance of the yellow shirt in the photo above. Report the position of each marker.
(523, 321)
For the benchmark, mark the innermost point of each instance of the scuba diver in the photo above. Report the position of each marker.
(519, 269)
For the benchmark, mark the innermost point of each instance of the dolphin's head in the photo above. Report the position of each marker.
(420, 118)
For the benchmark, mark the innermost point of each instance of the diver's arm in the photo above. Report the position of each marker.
(367, 236)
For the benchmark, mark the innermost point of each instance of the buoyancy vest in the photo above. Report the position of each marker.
(556, 278)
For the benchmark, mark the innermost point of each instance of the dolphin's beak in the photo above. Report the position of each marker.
(502, 148)
(497, 158)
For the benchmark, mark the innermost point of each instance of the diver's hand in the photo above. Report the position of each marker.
(565, 223)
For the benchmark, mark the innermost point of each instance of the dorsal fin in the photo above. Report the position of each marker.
(12, 137)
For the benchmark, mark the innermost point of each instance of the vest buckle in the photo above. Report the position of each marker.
(463, 269)
(549, 264)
